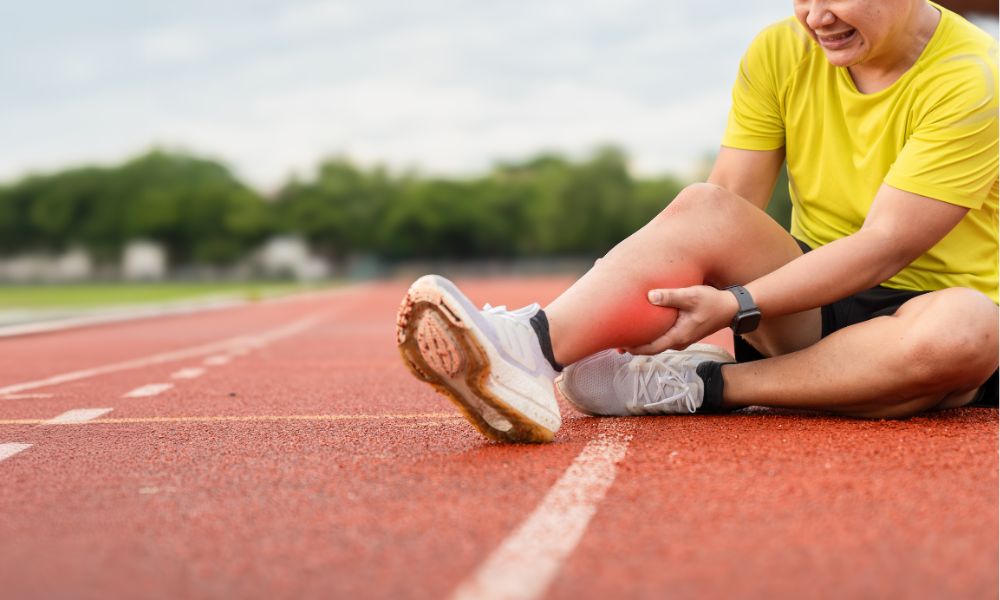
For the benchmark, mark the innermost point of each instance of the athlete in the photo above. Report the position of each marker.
(881, 303)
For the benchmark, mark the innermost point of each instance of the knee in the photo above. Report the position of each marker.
(951, 342)
(698, 208)
(702, 200)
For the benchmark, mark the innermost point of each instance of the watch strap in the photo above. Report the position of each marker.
(743, 297)
(748, 316)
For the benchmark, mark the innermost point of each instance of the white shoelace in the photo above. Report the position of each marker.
(655, 384)
(514, 315)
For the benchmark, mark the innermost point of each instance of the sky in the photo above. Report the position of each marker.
(442, 86)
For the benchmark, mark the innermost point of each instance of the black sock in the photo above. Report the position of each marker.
(711, 373)
(540, 323)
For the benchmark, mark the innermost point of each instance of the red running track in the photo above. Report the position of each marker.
(307, 463)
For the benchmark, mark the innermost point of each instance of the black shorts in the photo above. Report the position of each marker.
(874, 302)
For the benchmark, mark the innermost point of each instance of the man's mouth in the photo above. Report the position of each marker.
(838, 40)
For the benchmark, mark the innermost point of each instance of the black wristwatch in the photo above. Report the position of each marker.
(748, 316)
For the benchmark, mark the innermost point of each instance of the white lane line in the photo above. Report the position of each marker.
(527, 561)
(403, 420)
(12, 448)
(26, 396)
(127, 314)
(219, 359)
(106, 317)
(78, 415)
(189, 373)
(262, 339)
(148, 390)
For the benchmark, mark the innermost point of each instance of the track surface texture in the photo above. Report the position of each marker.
(293, 456)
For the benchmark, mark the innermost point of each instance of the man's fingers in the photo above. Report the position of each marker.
(674, 298)
(664, 342)
(658, 297)
(690, 320)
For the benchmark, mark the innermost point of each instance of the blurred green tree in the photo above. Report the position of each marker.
(339, 211)
(195, 207)
(192, 205)
(546, 205)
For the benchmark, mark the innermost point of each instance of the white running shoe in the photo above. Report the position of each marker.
(613, 384)
(487, 362)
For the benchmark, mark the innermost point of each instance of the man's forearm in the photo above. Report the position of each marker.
(839, 269)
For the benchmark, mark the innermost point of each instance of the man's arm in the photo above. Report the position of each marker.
(899, 228)
(748, 173)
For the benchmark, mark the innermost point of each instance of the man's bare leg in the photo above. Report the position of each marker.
(937, 348)
(706, 235)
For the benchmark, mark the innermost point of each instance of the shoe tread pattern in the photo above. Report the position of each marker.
(437, 347)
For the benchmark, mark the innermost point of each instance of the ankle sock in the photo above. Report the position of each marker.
(540, 323)
(711, 374)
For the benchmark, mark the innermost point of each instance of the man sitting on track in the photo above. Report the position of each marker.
(883, 304)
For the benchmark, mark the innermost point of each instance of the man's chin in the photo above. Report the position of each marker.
(842, 59)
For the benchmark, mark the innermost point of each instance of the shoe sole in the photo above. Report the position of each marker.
(438, 346)
(717, 351)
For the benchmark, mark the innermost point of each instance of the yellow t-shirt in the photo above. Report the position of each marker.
(933, 132)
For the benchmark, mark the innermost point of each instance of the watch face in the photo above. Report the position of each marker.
(747, 322)
(748, 317)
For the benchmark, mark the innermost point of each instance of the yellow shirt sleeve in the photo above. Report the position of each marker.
(756, 120)
(951, 154)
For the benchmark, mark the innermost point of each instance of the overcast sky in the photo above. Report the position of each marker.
(446, 86)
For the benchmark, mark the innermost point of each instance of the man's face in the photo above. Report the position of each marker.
(851, 31)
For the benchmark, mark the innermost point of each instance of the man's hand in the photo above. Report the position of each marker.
(701, 311)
